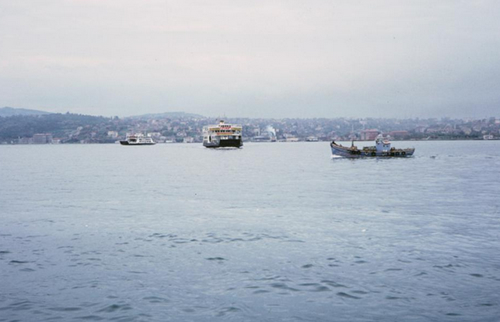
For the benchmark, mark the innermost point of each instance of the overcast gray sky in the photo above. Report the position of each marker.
(248, 58)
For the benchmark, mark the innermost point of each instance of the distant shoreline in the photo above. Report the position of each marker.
(249, 142)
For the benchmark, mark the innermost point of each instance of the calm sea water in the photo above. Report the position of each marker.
(270, 232)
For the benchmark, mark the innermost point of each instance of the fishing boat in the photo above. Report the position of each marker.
(382, 148)
(222, 135)
(137, 139)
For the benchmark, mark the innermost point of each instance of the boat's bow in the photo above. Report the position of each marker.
(338, 149)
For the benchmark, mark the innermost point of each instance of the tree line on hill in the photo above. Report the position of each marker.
(59, 125)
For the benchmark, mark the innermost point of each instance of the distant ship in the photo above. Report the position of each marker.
(222, 135)
(382, 148)
(137, 139)
(263, 138)
(312, 139)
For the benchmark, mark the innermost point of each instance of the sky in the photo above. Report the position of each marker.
(252, 58)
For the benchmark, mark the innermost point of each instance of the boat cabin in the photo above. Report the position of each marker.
(383, 145)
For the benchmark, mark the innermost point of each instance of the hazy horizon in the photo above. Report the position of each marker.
(229, 117)
(280, 59)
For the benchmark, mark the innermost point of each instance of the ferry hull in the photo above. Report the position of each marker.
(234, 143)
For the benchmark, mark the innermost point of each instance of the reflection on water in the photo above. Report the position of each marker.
(269, 232)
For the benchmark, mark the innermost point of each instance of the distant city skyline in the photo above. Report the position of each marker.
(76, 128)
(279, 59)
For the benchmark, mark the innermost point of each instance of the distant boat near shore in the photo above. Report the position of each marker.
(137, 139)
(382, 148)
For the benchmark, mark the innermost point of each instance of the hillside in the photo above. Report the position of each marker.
(10, 111)
(59, 125)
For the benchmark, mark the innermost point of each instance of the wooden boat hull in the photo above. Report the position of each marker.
(370, 152)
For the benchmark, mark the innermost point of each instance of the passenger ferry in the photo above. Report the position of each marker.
(382, 148)
(222, 135)
(137, 139)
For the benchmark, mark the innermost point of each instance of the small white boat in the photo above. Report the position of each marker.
(137, 139)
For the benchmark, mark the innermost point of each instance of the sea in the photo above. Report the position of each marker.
(269, 232)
